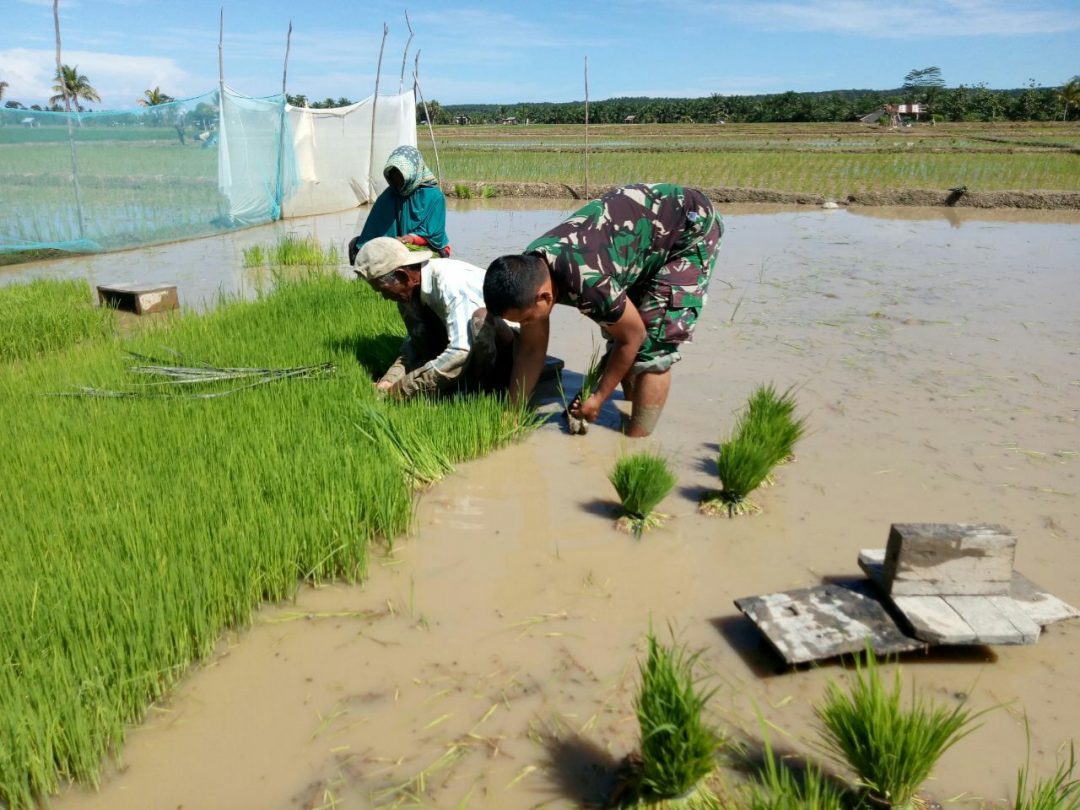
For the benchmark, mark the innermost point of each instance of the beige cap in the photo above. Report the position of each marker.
(383, 255)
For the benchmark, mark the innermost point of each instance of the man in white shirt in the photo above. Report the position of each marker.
(452, 343)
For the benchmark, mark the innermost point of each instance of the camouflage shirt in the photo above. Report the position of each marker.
(616, 243)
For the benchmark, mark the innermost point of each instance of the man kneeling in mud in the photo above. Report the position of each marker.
(452, 345)
(637, 261)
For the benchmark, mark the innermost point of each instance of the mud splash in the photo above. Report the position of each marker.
(489, 661)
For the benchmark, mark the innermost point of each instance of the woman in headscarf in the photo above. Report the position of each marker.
(412, 209)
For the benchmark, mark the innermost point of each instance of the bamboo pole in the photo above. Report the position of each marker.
(405, 53)
(279, 191)
(374, 108)
(427, 116)
(71, 133)
(586, 127)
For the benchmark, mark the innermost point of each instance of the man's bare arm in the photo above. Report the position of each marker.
(529, 360)
(628, 333)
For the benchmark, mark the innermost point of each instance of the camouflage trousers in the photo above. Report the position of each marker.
(671, 301)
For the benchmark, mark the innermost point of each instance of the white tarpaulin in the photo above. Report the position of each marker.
(333, 149)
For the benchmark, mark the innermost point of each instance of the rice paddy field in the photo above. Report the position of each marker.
(490, 656)
(826, 159)
(144, 516)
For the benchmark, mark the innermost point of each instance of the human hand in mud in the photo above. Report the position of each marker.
(589, 410)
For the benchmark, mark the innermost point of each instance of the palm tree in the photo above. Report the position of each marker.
(77, 85)
(1070, 94)
(3, 87)
(154, 97)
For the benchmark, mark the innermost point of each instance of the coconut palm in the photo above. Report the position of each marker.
(77, 86)
(153, 98)
(3, 87)
(1069, 94)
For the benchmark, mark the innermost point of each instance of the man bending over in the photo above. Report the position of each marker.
(637, 261)
(451, 343)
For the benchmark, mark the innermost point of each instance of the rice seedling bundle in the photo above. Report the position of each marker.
(135, 530)
(1059, 791)
(589, 382)
(764, 436)
(678, 748)
(48, 315)
(892, 750)
(641, 480)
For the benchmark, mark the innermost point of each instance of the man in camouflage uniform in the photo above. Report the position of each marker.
(637, 261)
(452, 345)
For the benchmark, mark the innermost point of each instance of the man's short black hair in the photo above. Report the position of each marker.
(511, 282)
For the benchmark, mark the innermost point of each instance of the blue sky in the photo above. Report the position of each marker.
(499, 52)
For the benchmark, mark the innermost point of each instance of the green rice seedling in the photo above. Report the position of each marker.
(892, 750)
(419, 453)
(296, 251)
(778, 787)
(742, 464)
(642, 480)
(255, 256)
(771, 417)
(162, 521)
(488, 192)
(462, 191)
(589, 382)
(48, 315)
(678, 748)
(1061, 791)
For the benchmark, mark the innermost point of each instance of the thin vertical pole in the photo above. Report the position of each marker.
(374, 108)
(405, 53)
(71, 134)
(281, 127)
(586, 126)
(427, 115)
(220, 49)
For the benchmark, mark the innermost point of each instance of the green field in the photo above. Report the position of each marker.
(827, 159)
(137, 528)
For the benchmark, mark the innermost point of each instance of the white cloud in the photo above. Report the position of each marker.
(913, 18)
(120, 79)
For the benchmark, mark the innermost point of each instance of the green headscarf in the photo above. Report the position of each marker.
(409, 161)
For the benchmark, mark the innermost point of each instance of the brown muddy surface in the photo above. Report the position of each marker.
(490, 659)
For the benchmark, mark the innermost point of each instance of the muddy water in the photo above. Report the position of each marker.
(489, 661)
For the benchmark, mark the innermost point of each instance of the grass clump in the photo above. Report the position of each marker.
(462, 191)
(297, 251)
(48, 315)
(1061, 791)
(678, 748)
(641, 480)
(779, 787)
(255, 256)
(891, 749)
(764, 436)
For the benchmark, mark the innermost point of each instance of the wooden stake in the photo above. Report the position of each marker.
(374, 108)
(427, 116)
(405, 53)
(279, 192)
(71, 134)
(586, 127)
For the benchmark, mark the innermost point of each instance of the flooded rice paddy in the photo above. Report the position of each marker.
(490, 659)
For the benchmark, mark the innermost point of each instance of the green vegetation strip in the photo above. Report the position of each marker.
(47, 315)
(135, 530)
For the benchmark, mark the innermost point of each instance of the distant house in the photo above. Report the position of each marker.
(895, 111)
(462, 120)
(630, 119)
(510, 120)
(29, 122)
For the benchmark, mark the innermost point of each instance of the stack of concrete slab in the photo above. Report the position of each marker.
(934, 583)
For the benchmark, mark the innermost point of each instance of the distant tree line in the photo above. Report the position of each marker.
(963, 103)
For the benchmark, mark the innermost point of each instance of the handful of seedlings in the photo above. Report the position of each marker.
(764, 436)
(589, 382)
(641, 480)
